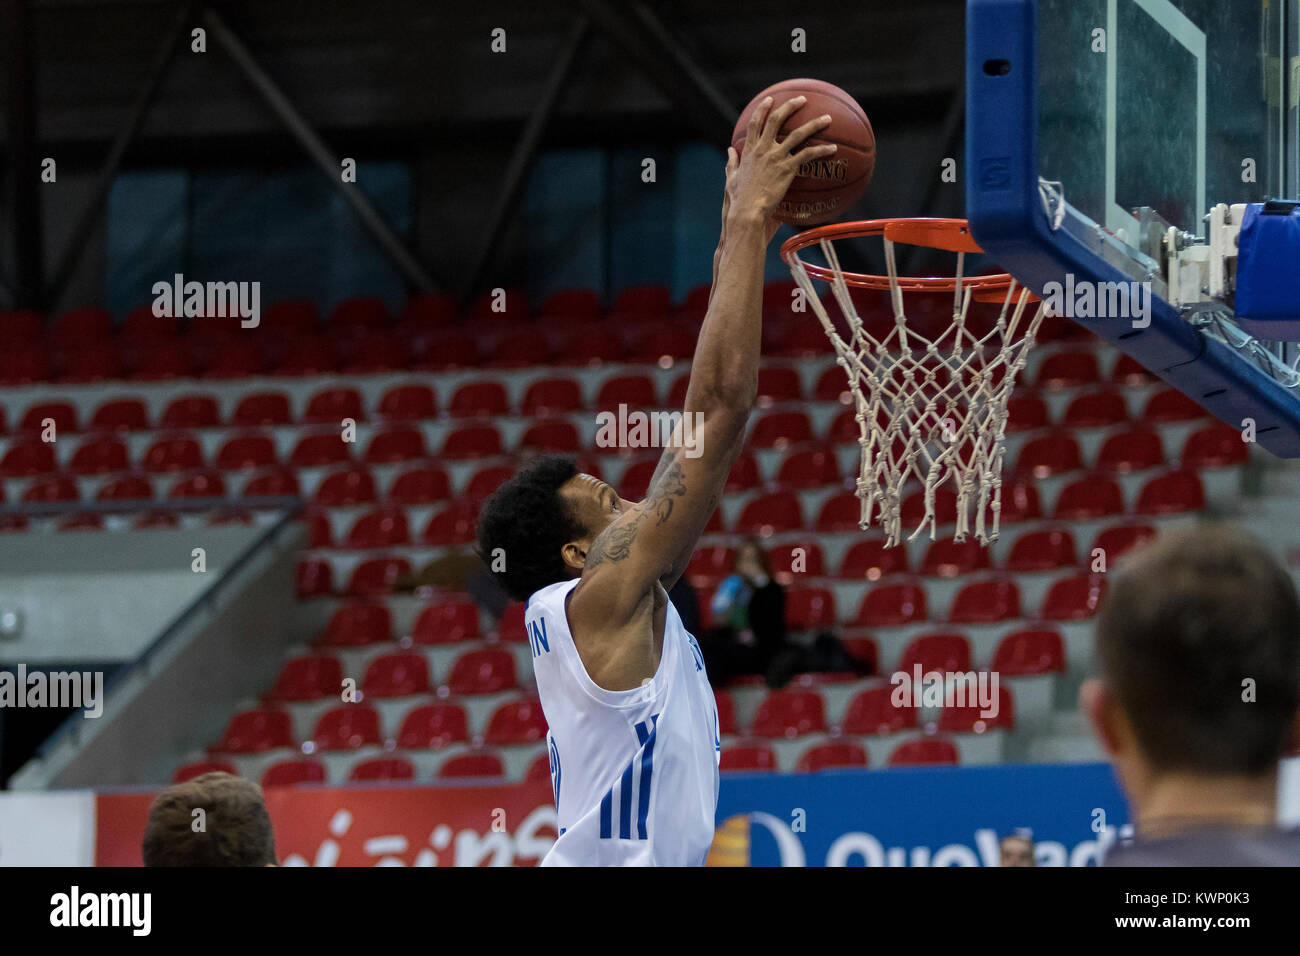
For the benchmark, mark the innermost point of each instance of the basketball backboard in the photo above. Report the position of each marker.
(1101, 135)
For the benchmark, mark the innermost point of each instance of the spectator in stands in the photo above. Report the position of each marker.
(750, 635)
(1199, 646)
(1016, 849)
(687, 601)
(235, 831)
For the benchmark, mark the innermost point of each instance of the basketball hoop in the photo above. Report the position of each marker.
(931, 397)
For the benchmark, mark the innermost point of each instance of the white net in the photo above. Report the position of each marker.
(933, 410)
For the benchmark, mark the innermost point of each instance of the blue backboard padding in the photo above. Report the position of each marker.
(1268, 274)
(1007, 220)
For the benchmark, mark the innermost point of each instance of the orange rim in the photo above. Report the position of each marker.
(950, 235)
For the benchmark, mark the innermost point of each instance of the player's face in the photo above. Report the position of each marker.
(594, 503)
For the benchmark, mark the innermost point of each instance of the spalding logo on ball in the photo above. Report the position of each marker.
(824, 187)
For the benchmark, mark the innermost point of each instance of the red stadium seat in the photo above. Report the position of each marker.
(662, 345)
(1044, 550)
(382, 768)
(379, 529)
(1073, 598)
(428, 311)
(279, 483)
(1119, 540)
(399, 444)
(374, 352)
(1029, 653)
(808, 609)
(21, 327)
(873, 712)
(1068, 370)
(1135, 450)
(743, 475)
(261, 410)
(342, 489)
(947, 558)
(433, 725)
(726, 708)
(1089, 498)
(891, 605)
(192, 770)
(809, 468)
(472, 765)
(835, 755)
(770, 513)
(635, 483)
(130, 488)
(569, 304)
(396, 675)
(522, 348)
(677, 391)
(590, 343)
(290, 316)
(79, 327)
(510, 627)
(832, 384)
(99, 456)
(453, 525)
(986, 602)
(840, 513)
(871, 560)
(420, 486)
(971, 719)
(796, 561)
(362, 312)
(246, 451)
(313, 578)
(643, 301)
(1026, 413)
(912, 511)
(1130, 373)
(348, 727)
(377, 576)
(24, 365)
(63, 415)
(777, 385)
(947, 653)
(1096, 410)
(551, 436)
(311, 677)
(516, 722)
(87, 521)
(235, 358)
(408, 403)
(172, 454)
(24, 459)
(1020, 502)
(191, 411)
(161, 361)
(254, 731)
(447, 623)
(290, 773)
(550, 396)
(1050, 455)
(747, 758)
(780, 429)
(484, 671)
(309, 355)
(926, 752)
(54, 488)
(1218, 446)
(447, 352)
(313, 451)
(1174, 493)
(790, 713)
(634, 391)
(205, 484)
(121, 414)
(474, 441)
(332, 406)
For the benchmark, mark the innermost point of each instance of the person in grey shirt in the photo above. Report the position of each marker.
(1198, 697)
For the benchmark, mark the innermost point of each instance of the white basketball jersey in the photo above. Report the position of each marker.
(634, 772)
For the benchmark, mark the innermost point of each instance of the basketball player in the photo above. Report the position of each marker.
(633, 736)
(1199, 641)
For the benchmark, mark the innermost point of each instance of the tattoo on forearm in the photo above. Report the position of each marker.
(671, 485)
(614, 543)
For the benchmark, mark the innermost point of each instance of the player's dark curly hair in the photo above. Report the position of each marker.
(528, 520)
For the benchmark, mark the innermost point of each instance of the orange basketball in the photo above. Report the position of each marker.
(824, 188)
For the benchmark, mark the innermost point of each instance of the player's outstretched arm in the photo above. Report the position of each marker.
(653, 541)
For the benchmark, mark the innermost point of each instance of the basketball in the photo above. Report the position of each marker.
(831, 184)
